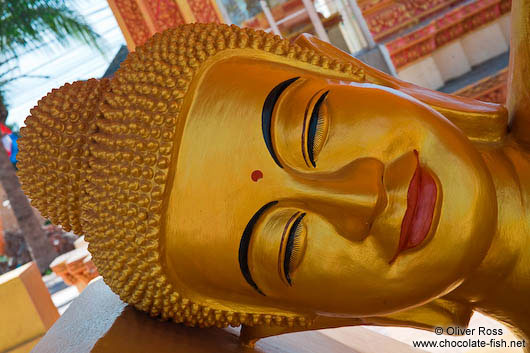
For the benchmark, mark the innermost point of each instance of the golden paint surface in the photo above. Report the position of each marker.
(155, 166)
(354, 199)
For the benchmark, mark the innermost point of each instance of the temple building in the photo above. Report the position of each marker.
(455, 46)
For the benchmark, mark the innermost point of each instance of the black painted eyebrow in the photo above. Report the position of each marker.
(245, 242)
(266, 115)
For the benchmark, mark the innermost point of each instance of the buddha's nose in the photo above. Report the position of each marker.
(350, 198)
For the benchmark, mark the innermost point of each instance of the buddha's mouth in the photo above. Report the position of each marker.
(421, 201)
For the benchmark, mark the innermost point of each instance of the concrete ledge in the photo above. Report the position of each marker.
(98, 321)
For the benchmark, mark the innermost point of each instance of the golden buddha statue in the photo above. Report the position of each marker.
(226, 176)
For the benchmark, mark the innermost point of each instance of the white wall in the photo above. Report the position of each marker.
(459, 56)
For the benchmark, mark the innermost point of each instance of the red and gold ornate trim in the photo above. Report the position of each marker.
(164, 13)
(132, 23)
(205, 11)
(385, 17)
(491, 89)
(140, 19)
(452, 25)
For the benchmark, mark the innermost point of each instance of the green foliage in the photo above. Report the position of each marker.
(28, 23)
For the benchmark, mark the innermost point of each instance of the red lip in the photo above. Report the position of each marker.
(421, 199)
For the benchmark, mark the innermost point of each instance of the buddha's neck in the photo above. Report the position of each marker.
(500, 287)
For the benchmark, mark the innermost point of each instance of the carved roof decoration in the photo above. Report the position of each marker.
(454, 24)
(491, 89)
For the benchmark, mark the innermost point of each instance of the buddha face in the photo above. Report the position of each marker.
(298, 191)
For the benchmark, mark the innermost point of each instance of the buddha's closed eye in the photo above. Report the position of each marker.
(315, 131)
(244, 245)
(292, 246)
(314, 126)
(266, 115)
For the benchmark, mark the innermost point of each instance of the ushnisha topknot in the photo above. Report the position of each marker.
(54, 150)
(95, 155)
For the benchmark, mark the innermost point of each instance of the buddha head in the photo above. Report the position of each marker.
(226, 176)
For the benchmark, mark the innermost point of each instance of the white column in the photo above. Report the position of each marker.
(270, 19)
(388, 59)
(353, 36)
(224, 13)
(362, 23)
(317, 24)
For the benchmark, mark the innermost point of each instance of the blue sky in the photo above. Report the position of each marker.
(77, 62)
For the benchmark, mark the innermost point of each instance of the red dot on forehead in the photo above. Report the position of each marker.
(256, 175)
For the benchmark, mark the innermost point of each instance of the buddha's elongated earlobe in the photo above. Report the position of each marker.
(251, 334)
(519, 86)
(437, 313)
